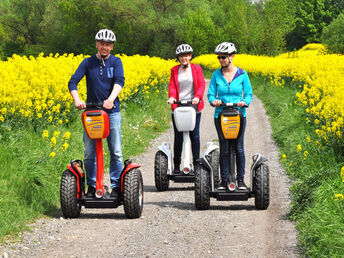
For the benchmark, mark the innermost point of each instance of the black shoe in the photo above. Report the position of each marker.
(90, 191)
(222, 186)
(241, 185)
(116, 192)
(176, 170)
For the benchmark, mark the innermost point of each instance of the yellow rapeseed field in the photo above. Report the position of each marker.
(321, 77)
(34, 89)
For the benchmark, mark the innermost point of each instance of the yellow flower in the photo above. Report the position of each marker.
(52, 154)
(66, 135)
(339, 197)
(64, 146)
(299, 148)
(56, 134)
(45, 134)
(52, 141)
(284, 157)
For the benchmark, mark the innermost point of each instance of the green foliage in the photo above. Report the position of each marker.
(278, 21)
(199, 31)
(146, 27)
(333, 35)
(311, 17)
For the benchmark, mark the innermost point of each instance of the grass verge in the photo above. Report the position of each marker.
(313, 168)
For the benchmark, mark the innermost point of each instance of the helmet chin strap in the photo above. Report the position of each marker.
(226, 66)
(102, 60)
(185, 66)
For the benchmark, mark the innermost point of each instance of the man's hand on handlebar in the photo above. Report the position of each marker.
(108, 104)
(80, 104)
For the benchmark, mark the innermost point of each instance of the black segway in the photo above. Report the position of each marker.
(231, 121)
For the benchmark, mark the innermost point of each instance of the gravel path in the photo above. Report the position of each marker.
(170, 225)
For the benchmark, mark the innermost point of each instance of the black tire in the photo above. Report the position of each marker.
(202, 188)
(215, 163)
(68, 195)
(133, 194)
(261, 187)
(160, 171)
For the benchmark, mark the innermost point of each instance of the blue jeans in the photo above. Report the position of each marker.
(178, 142)
(115, 149)
(224, 153)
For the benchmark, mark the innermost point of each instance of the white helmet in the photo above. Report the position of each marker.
(106, 36)
(225, 48)
(183, 49)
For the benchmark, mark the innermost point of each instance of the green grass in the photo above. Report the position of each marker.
(315, 178)
(30, 179)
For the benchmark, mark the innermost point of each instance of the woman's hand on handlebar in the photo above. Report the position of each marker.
(171, 100)
(216, 103)
(195, 101)
(241, 104)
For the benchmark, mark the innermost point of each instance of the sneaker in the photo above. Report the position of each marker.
(90, 191)
(116, 192)
(222, 186)
(241, 185)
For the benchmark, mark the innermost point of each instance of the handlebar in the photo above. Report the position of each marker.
(183, 102)
(234, 105)
(94, 105)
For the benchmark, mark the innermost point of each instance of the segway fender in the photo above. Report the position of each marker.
(210, 147)
(165, 148)
(127, 167)
(75, 167)
(257, 161)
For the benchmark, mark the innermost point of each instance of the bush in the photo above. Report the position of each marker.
(333, 35)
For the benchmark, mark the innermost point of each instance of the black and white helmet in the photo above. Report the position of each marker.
(105, 35)
(183, 49)
(225, 48)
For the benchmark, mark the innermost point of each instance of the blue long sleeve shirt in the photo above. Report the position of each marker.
(100, 79)
(239, 89)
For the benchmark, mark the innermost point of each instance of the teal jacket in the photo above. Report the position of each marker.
(238, 90)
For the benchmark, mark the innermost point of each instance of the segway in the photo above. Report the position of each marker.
(72, 189)
(231, 121)
(185, 120)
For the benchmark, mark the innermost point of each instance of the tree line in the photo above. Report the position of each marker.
(156, 27)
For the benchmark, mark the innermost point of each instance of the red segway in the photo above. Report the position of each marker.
(72, 188)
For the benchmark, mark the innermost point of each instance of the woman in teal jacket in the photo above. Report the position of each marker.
(230, 84)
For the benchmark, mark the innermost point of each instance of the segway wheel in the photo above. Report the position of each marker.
(133, 194)
(160, 171)
(202, 188)
(261, 187)
(68, 195)
(215, 162)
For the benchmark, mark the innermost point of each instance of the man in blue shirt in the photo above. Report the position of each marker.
(104, 81)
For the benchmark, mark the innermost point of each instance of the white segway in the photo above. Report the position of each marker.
(185, 120)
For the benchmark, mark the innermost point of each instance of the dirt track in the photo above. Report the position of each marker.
(170, 225)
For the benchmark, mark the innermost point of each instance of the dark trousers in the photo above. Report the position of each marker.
(224, 152)
(178, 142)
